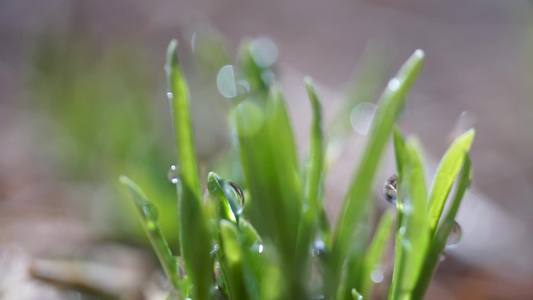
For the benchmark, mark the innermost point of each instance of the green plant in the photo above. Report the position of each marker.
(279, 239)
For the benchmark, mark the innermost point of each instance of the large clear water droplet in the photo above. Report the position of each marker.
(389, 189)
(361, 117)
(172, 174)
(226, 82)
(455, 235)
(238, 191)
(170, 96)
(235, 196)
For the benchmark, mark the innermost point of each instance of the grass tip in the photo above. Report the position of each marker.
(419, 53)
(124, 179)
(172, 55)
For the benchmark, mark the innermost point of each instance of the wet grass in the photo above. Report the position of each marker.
(266, 236)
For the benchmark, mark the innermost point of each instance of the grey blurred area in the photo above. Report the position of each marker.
(478, 72)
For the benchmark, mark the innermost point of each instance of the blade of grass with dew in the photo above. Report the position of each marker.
(375, 252)
(439, 241)
(356, 295)
(193, 227)
(149, 215)
(254, 264)
(233, 260)
(313, 176)
(349, 238)
(400, 150)
(270, 164)
(402, 158)
(413, 232)
(448, 168)
(261, 271)
(224, 212)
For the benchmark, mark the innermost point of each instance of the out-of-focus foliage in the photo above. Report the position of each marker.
(274, 246)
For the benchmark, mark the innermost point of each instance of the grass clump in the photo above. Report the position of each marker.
(268, 237)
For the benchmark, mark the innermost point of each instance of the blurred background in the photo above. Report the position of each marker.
(83, 100)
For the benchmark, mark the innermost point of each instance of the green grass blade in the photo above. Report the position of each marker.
(253, 72)
(400, 149)
(233, 260)
(313, 177)
(348, 240)
(439, 242)
(193, 227)
(376, 251)
(249, 234)
(413, 233)
(447, 170)
(148, 215)
(272, 175)
(356, 295)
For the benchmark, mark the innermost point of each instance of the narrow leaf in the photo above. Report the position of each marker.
(193, 227)
(439, 242)
(413, 233)
(350, 236)
(356, 295)
(272, 176)
(449, 167)
(313, 176)
(376, 251)
(233, 259)
(149, 215)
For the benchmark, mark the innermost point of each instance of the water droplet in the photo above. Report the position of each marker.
(226, 82)
(455, 235)
(264, 52)
(215, 249)
(377, 276)
(172, 174)
(319, 248)
(238, 191)
(361, 117)
(389, 189)
(394, 84)
(442, 256)
(256, 247)
(402, 230)
(150, 211)
(170, 96)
